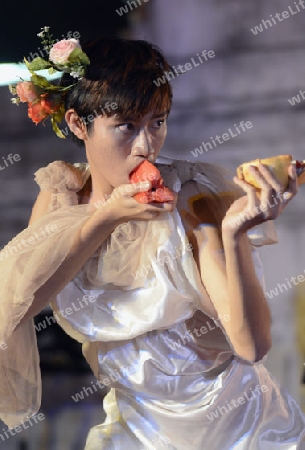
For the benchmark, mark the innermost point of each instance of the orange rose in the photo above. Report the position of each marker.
(37, 112)
(26, 91)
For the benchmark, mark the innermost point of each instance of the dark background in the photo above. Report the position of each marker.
(20, 21)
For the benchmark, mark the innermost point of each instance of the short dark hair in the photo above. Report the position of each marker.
(121, 72)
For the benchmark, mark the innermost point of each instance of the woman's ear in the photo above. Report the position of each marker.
(76, 125)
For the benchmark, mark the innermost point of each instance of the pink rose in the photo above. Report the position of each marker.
(26, 91)
(60, 52)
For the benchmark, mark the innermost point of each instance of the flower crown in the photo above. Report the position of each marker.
(45, 99)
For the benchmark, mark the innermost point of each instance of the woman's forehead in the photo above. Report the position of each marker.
(149, 115)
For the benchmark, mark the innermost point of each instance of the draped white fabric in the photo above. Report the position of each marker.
(149, 332)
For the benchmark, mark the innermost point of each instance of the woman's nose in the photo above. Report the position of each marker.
(141, 144)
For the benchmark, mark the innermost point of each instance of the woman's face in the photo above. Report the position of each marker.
(114, 147)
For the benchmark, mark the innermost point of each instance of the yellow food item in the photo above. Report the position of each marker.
(277, 164)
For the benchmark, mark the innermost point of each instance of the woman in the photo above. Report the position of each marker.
(178, 323)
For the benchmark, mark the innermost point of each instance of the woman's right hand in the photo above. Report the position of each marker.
(121, 205)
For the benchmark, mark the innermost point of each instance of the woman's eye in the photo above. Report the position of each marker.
(126, 127)
(159, 123)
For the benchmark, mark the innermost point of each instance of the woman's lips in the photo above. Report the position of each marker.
(136, 167)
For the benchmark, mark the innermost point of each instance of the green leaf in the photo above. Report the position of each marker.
(59, 115)
(44, 84)
(51, 70)
(56, 129)
(78, 56)
(27, 63)
(12, 89)
(38, 64)
(41, 81)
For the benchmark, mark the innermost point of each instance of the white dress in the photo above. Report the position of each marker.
(174, 381)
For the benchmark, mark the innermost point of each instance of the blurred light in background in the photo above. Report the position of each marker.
(13, 73)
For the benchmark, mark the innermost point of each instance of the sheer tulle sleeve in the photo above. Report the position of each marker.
(26, 262)
(63, 180)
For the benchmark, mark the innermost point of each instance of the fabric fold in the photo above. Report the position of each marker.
(26, 263)
(142, 278)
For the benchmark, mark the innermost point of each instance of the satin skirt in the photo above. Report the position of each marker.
(242, 408)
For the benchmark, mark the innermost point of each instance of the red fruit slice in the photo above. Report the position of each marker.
(146, 172)
(162, 194)
(143, 197)
(158, 192)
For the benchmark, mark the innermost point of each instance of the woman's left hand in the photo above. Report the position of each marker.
(255, 208)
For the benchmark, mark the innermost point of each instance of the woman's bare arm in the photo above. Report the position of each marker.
(228, 274)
